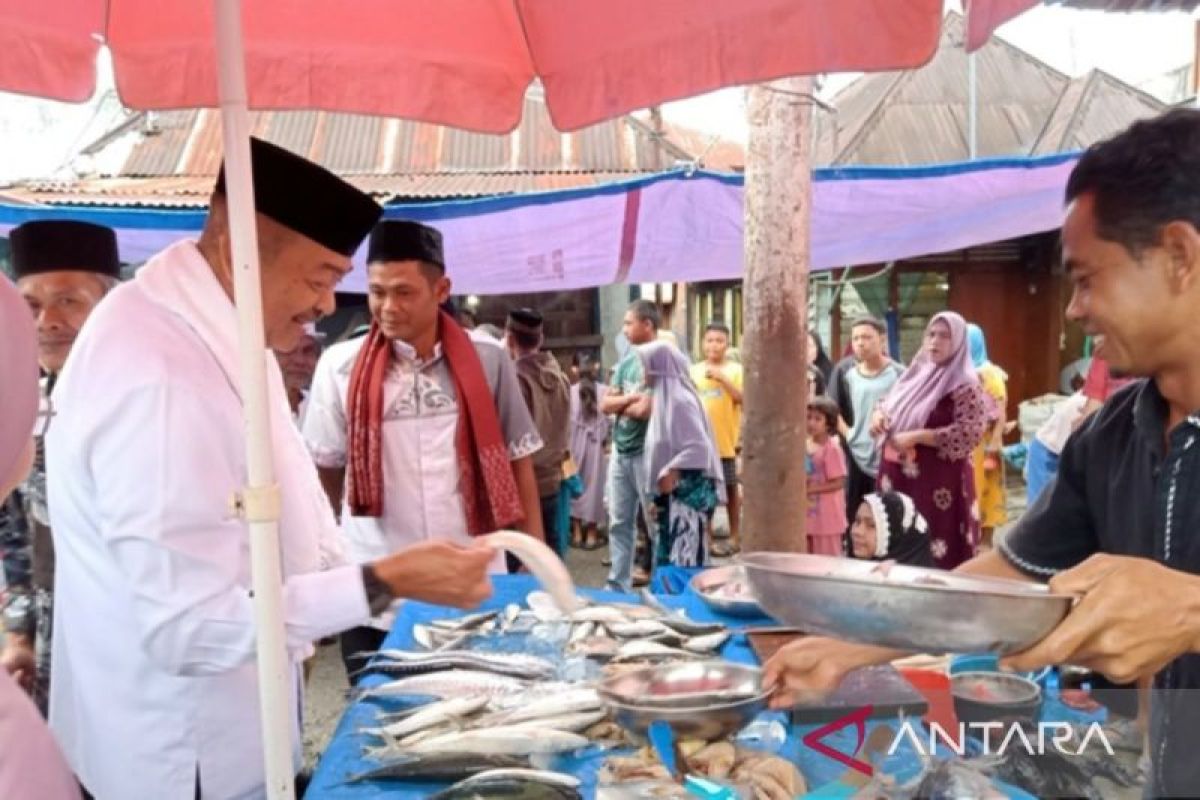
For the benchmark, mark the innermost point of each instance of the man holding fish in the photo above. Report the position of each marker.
(154, 690)
(1119, 526)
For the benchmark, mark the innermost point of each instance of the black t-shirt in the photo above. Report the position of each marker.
(1121, 490)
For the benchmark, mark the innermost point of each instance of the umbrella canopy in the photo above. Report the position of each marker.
(466, 63)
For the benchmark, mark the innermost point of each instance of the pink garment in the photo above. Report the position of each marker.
(923, 385)
(827, 511)
(31, 765)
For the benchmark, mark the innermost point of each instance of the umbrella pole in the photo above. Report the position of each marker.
(260, 499)
(778, 204)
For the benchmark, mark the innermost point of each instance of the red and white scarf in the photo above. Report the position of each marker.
(489, 490)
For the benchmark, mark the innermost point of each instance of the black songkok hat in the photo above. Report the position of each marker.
(405, 240)
(525, 320)
(308, 199)
(54, 245)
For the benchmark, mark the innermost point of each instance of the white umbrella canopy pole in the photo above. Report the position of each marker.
(260, 499)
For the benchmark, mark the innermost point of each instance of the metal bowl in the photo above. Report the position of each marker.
(910, 608)
(706, 583)
(995, 697)
(699, 700)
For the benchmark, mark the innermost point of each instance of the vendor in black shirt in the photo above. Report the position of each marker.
(1121, 525)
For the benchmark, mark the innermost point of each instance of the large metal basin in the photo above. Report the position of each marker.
(910, 608)
(700, 700)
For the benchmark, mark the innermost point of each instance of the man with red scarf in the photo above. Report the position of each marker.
(419, 429)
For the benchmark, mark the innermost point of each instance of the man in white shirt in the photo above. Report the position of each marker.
(154, 690)
(419, 429)
(63, 270)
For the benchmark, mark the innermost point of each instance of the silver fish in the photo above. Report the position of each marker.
(650, 652)
(423, 635)
(471, 621)
(558, 704)
(638, 630)
(577, 722)
(403, 662)
(431, 715)
(600, 648)
(604, 614)
(653, 603)
(445, 766)
(708, 643)
(507, 740)
(452, 683)
(689, 627)
(540, 775)
(580, 632)
(513, 788)
(512, 612)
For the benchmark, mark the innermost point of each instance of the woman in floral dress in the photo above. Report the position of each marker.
(928, 425)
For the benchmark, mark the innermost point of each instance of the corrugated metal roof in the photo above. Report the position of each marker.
(1094, 107)
(189, 143)
(920, 116)
(192, 191)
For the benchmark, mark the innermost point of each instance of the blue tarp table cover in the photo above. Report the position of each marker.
(343, 757)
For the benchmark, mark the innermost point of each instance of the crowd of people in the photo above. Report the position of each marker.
(129, 618)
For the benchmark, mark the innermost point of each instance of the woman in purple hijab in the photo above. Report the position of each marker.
(927, 426)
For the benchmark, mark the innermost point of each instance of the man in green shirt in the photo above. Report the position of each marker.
(628, 399)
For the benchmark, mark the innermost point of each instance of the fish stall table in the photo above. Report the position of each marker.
(344, 757)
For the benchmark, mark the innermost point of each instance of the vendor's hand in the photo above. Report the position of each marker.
(1135, 616)
(668, 482)
(814, 666)
(19, 660)
(714, 374)
(439, 572)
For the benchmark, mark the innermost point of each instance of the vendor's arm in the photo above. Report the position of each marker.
(815, 665)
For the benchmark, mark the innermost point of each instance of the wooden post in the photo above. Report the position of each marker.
(778, 204)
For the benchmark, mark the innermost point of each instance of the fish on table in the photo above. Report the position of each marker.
(451, 683)
(404, 662)
(443, 766)
(514, 784)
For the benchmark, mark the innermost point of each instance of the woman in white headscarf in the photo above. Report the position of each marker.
(682, 466)
(31, 764)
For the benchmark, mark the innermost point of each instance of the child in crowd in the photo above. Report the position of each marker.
(826, 479)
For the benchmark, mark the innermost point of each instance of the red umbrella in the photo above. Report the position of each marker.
(464, 63)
